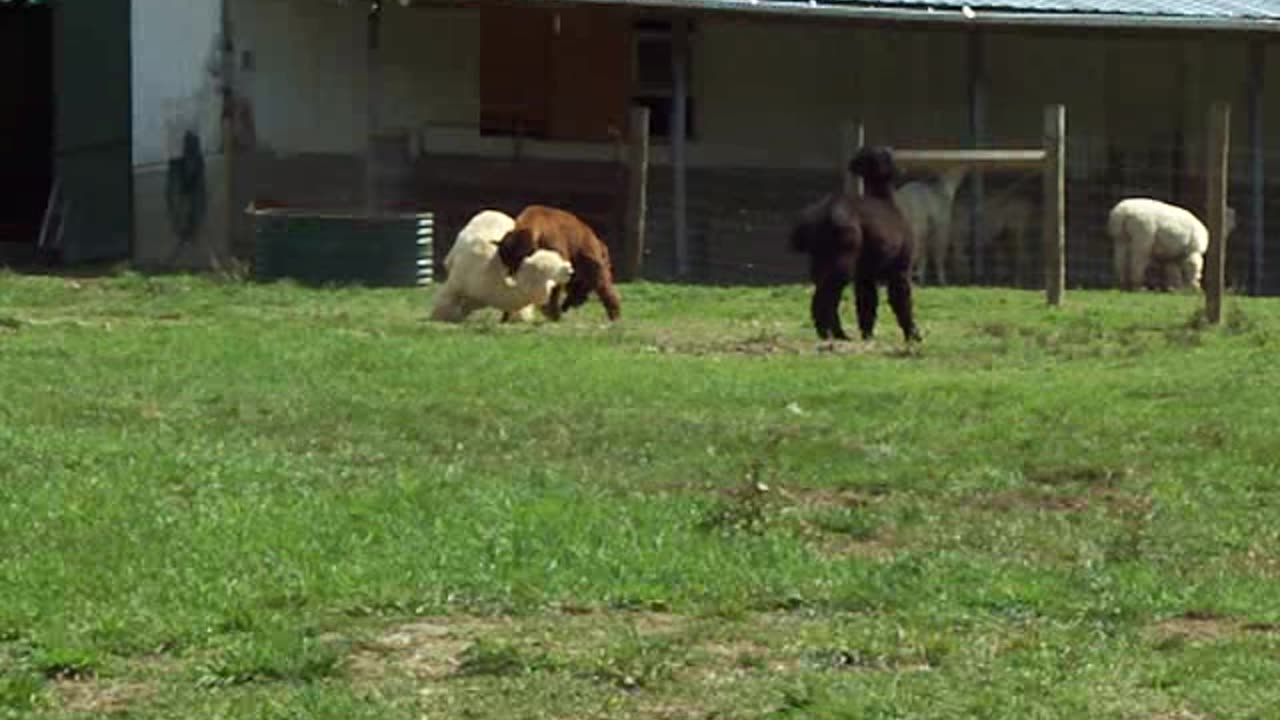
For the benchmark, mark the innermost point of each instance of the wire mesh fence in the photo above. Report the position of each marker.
(739, 217)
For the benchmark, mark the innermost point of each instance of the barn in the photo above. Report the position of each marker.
(450, 106)
(99, 98)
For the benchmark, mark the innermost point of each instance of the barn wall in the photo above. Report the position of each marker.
(176, 83)
(769, 95)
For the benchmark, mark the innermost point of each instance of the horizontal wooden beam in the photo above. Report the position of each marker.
(987, 159)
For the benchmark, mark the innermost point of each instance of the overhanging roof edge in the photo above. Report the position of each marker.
(952, 16)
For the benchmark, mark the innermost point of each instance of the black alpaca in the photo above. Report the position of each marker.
(864, 240)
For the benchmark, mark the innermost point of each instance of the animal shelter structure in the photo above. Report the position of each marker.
(64, 84)
(460, 106)
(114, 148)
(454, 106)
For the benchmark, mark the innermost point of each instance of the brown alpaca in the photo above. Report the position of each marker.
(539, 227)
(865, 241)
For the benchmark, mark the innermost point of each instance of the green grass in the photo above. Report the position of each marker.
(222, 499)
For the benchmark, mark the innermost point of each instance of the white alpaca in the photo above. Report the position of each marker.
(926, 204)
(1005, 221)
(1145, 231)
(477, 279)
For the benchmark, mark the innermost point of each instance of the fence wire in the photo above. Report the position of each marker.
(738, 218)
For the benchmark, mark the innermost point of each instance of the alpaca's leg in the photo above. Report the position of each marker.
(449, 306)
(1129, 272)
(1120, 262)
(941, 239)
(551, 308)
(587, 280)
(900, 301)
(824, 307)
(818, 312)
(866, 298)
(1139, 257)
(958, 249)
(576, 294)
(608, 295)
(1192, 270)
(467, 305)
(524, 314)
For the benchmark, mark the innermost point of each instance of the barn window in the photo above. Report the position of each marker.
(653, 77)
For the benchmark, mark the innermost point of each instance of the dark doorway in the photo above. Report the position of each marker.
(26, 118)
(93, 126)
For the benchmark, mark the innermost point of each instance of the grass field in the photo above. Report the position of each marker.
(228, 500)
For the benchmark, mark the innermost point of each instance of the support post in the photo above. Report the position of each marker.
(373, 99)
(1217, 173)
(637, 192)
(853, 136)
(1257, 162)
(230, 112)
(1055, 183)
(977, 138)
(678, 127)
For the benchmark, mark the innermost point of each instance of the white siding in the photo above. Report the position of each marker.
(174, 55)
(305, 75)
(768, 93)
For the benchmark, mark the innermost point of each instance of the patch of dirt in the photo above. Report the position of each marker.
(877, 548)
(754, 346)
(1094, 497)
(428, 649)
(100, 697)
(1257, 561)
(801, 504)
(823, 498)
(1208, 627)
(722, 347)
(431, 649)
(1092, 475)
(880, 547)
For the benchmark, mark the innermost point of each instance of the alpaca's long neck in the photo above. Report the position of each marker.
(883, 191)
(951, 179)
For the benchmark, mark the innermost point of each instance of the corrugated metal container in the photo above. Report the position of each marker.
(388, 250)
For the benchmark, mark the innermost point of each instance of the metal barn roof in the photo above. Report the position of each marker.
(1238, 9)
(1205, 15)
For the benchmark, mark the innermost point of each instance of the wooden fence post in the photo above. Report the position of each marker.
(678, 137)
(1216, 215)
(1055, 246)
(373, 108)
(852, 137)
(637, 194)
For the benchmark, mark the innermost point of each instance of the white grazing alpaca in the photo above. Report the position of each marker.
(1145, 231)
(926, 204)
(476, 277)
